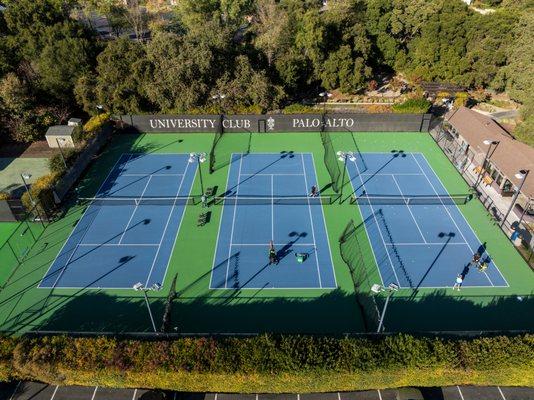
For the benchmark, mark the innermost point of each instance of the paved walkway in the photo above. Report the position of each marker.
(40, 391)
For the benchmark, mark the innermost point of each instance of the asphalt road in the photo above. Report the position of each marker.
(40, 391)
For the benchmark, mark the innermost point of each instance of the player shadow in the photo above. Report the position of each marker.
(283, 153)
(287, 248)
(441, 235)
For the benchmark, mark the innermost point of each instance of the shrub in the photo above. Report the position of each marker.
(4, 196)
(412, 106)
(460, 99)
(95, 124)
(56, 164)
(297, 108)
(42, 193)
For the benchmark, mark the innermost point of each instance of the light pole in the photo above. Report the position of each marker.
(61, 151)
(25, 176)
(344, 156)
(484, 163)
(523, 176)
(139, 287)
(201, 158)
(392, 288)
(325, 96)
(219, 97)
(99, 108)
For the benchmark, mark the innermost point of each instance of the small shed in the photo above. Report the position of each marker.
(60, 136)
(74, 122)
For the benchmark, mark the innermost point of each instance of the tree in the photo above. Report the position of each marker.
(520, 69)
(178, 72)
(118, 86)
(245, 87)
(14, 94)
(60, 65)
(271, 26)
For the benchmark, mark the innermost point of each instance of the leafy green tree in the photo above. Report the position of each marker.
(14, 94)
(246, 87)
(85, 93)
(178, 72)
(118, 86)
(520, 69)
(60, 65)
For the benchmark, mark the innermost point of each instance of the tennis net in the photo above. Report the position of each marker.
(330, 159)
(411, 200)
(139, 201)
(294, 200)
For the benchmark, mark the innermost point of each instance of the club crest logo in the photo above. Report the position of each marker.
(270, 124)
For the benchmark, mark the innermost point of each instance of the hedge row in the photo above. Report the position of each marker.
(62, 359)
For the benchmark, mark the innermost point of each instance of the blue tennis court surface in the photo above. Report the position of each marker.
(118, 245)
(417, 246)
(241, 257)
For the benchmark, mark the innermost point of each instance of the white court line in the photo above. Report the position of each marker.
(379, 394)
(233, 222)
(116, 244)
(325, 228)
(468, 224)
(447, 211)
(366, 231)
(55, 391)
(501, 393)
(395, 174)
(79, 221)
(271, 174)
(338, 396)
(166, 226)
(311, 221)
(134, 394)
(379, 229)
(180, 224)
(459, 391)
(275, 244)
(425, 244)
(272, 208)
(94, 393)
(409, 209)
(135, 209)
(15, 391)
(214, 258)
(151, 174)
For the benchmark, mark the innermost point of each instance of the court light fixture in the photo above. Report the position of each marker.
(522, 174)
(25, 176)
(343, 155)
(391, 289)
(200, 158)
(140, 287)
(325, 94)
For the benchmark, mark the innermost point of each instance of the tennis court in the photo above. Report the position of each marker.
(123, 237)
(266, 199)
(419, 237)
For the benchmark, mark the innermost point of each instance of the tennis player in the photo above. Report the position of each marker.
(313, 191)
(273, 259)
